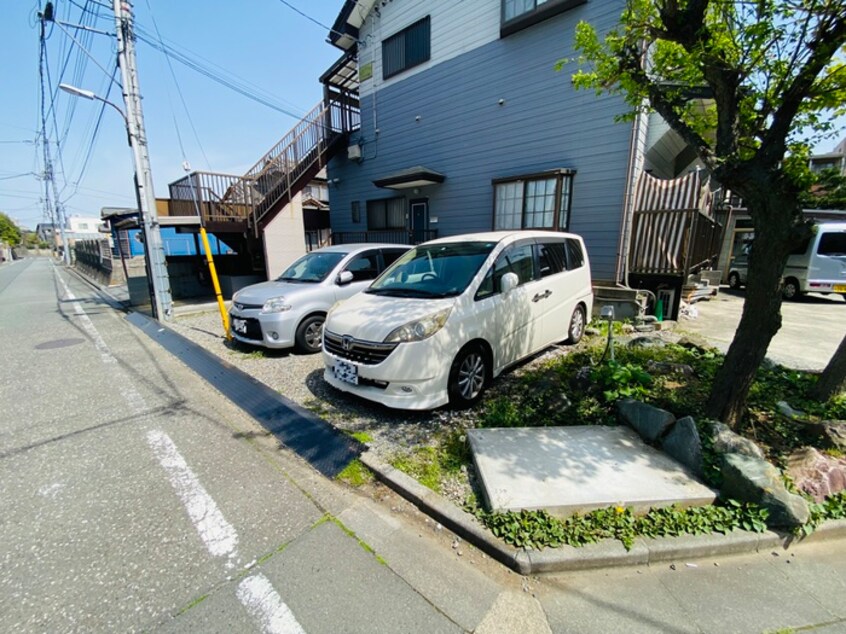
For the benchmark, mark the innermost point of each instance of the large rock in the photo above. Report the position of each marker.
(726, 441)
(749, 479)
(647, 342)
(830, 433)
(683, 444)
(665, 367)
(648, 421)
(816, 474)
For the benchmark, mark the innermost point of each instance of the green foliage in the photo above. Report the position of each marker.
(827, 191)
(539, 529)
(362, 437)
(9, 231)
(832, 508)
(618, 380)
(355, 474)
(431, 464)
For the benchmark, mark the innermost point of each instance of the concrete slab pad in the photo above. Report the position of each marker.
(577, 469)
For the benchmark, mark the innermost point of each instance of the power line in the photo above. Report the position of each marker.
(308, 17)
(231, 84)
(181, 98)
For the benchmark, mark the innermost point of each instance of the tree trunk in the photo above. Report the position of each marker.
(833, 379)
(775, 231)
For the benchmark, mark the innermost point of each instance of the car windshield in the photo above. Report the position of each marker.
(434, 270)
(312, 268)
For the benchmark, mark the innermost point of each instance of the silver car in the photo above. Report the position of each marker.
(289, 311)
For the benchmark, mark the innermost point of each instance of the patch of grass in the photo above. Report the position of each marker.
(429, 465)
(362, 437)
(355, 474)
(422, 465)
(193, 604)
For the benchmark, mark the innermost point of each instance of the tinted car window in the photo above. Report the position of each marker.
(575, 256)
(364, 266)
(517, 258)
(312, 267)
(552, 258)
(832, 244)
(391, 255)
(433, 270)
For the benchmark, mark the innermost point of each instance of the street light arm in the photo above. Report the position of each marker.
(87, 94)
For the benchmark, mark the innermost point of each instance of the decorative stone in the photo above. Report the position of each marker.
(788, 412)
(647, 342)
(580, 381)
(591, 332)
(832, 433)
(816, 474)
(648, 421)
(749, 479)
(683, 444)
(665, 367)
(726, 441)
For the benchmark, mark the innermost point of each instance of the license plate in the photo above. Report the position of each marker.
(346, 372)
(840, 288)
(239, 325)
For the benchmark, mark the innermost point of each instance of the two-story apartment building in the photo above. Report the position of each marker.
(466, 125)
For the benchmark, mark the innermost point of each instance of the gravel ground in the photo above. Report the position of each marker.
(300, 378)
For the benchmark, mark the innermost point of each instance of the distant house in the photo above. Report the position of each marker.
(465, 125)
(836, 159)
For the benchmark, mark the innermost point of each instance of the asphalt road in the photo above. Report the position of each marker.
(811, 330)
(133, 497)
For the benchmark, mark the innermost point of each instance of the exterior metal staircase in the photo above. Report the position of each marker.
(232, 204)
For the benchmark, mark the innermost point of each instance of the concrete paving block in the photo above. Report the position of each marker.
(577, 469)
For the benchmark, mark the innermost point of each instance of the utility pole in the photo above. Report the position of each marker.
(157, 266)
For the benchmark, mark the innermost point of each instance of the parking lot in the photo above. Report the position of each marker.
(811, 330)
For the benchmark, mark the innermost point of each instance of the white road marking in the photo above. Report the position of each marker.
(217, 534)
(265, 605)
(119, 379)
(255, 593)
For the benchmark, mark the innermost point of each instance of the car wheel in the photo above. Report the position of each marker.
(468, 376)
(790, 290)
(577, 325)
(309, 334)
(734, 280)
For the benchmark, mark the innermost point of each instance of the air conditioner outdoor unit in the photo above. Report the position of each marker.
(354, 152)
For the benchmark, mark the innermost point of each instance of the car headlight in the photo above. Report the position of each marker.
(275, 305)
(419, 329)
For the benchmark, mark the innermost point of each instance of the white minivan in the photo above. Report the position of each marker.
(817, 265)
(451, 314)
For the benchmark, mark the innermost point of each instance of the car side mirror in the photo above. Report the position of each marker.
(508, 283)
(344, 277)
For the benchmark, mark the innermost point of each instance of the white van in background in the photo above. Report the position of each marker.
(451, 314)
(818, 265)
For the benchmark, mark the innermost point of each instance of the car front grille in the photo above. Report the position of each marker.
(242, 306)
(356, 350)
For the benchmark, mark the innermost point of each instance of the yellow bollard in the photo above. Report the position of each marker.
(224, 316)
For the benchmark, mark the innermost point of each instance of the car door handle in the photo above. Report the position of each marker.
(541, 296)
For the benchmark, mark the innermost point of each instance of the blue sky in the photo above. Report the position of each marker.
(261, 43)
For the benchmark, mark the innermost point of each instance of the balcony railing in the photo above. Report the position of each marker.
(389, 236)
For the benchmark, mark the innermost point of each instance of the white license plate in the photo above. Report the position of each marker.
(346, 372)
(239, 325)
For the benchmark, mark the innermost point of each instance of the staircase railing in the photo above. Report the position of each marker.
(281, 169)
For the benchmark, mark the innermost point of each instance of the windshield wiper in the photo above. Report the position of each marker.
(295, 280)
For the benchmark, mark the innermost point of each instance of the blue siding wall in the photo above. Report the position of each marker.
(465, 134)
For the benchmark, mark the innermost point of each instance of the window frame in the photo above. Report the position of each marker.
(385, 202)
(424, 24)
(543, 11)
(560, 200)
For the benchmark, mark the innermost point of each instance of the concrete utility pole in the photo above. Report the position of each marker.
(161, 298)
